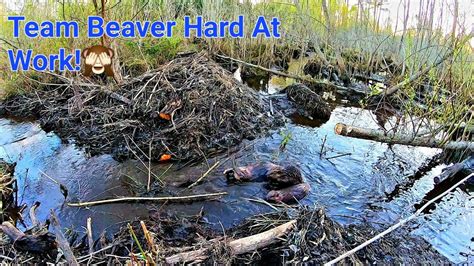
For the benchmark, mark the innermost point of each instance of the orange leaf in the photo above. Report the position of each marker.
(165, 116)
(164, 157)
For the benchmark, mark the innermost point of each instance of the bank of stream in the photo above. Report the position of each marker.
(350, 178)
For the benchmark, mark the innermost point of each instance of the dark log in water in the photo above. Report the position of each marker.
(42, 243)
(450, 176)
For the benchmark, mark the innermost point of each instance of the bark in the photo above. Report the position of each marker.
(395, 138)
(239, 246)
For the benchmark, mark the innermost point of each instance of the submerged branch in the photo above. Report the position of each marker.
(141, 199)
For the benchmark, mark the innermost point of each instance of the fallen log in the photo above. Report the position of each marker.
(449, 176)
(41, 243)
(286, 75)
(396, 138)
(239, 246)
(141, 199)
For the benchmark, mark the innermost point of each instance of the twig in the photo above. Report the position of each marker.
(339, 155)
(62, 241)
(89, 235)
(263, 202)
(33, 218)
(148, 237)
(86, 257)
(204, 175)
(62, 187)
(140, 199)
(397, 225)
(239, 246)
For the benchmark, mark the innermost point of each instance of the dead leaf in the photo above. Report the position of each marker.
(165, 116)
(164, 158)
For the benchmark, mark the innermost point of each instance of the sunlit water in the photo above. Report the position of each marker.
(351, 187)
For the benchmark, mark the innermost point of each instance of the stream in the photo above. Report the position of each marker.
(349, 177)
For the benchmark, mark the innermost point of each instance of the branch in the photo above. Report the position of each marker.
(283, 74)
(394, 138)
(141, 199)
(239, 246)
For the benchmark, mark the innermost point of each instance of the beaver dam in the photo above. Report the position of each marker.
(100, 174)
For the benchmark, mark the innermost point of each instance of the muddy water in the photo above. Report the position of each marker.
(349, 177)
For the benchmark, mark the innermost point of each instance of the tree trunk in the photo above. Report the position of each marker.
(394, 138)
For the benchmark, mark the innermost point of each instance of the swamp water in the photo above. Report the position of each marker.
(349, 177)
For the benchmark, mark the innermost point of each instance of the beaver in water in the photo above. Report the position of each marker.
(277, 176)
(290, 194)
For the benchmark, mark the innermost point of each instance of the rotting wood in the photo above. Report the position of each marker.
(35, 243)
(62, 241)
(142, 199)
(239, 246)
(287, 75)
(396, 138)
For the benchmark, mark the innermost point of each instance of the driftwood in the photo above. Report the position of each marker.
(463, 168)
(141, 199)
(395, 138)
(448, 177)
(239, 246)
(33, 218)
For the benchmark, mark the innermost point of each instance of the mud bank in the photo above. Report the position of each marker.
(337, 168)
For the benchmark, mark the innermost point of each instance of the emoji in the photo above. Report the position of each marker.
(98, 60)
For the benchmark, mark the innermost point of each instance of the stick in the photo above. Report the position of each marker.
(89, 235)
(62, 241)
(139, 199)
(86, 257)
(395, 138)
(33, 218)
(239, 246)
(11, 231)
(204, 175)
(397, 225)
(283, 74)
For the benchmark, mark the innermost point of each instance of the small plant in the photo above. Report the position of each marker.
(287, 136)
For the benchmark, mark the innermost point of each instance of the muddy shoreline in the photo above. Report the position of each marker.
(88, 171)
